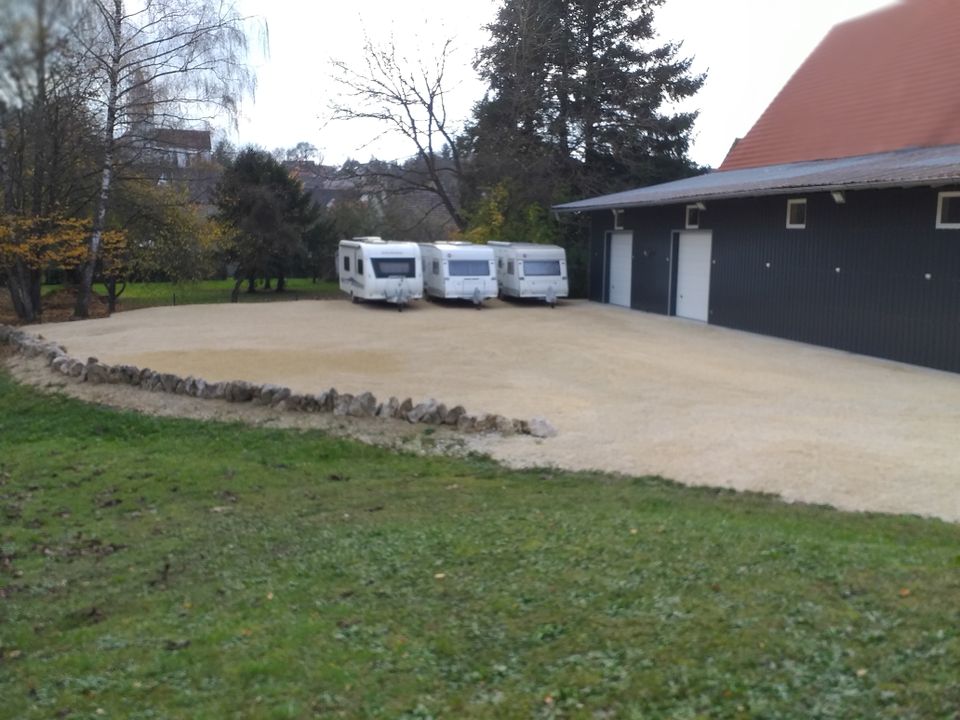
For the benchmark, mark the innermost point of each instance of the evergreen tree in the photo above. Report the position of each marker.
(269, 215)
(578, 100)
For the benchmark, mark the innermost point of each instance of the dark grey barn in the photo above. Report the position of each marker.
(860, 254)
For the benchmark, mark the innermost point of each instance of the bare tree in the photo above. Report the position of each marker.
(47, 135)
(303, 152)
(408, 98)
(161, 63)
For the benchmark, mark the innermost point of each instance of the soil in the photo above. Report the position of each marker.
(57, 306)
(629, 392)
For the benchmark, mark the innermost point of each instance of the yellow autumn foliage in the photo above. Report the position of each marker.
(55, 241)
(487, 222)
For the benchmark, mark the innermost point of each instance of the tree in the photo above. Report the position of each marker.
(36, 243)
(159, 63)
(302, 152)
(47, 140)
(578, 104)
(168, 237)
(410, 99)
(577, 98)
(268, 214)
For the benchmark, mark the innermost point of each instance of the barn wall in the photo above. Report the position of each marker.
(785, 283)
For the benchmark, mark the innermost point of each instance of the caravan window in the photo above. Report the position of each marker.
(346, 263)
(469, 268)
(360, 266)
(394, 267)
(509, 267)
(436, 267)
(541, 267)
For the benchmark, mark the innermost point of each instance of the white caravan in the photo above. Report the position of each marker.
(529, 270)
(372, 269)
(459, 270)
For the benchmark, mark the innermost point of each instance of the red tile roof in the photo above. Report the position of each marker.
(882, 82)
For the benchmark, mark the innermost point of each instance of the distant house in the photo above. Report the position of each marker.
(835, 221)
(323, 183)
(177, 148)
(180, 158)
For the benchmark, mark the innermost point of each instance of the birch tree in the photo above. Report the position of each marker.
(160, 63)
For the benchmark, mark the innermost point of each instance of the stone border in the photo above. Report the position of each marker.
(365, 405)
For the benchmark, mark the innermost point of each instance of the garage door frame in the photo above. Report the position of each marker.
(694, 260)
(620, 244)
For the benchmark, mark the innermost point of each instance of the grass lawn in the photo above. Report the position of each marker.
(58, 300)
(140, 295)
(155, 568)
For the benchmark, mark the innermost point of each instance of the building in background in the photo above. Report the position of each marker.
(835, 221)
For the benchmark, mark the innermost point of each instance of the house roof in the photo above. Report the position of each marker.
(882, 82)
(902, 168)
(184, 139)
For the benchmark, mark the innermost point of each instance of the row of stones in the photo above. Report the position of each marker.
(364, 405)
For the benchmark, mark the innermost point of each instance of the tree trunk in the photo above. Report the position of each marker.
(20, 294)
(82, 308)
(40, 111)
(18, 281)
(235, 293)
(113, 294)
(266, 284)
(281, 283)
(251, 284)
(35, 283)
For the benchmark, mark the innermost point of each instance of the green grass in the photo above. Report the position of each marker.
(156, 568)
(140, 295)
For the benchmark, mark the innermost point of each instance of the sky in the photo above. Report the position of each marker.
(748, 48)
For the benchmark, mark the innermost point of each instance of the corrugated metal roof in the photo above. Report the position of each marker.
(881, 82)
(903, 168)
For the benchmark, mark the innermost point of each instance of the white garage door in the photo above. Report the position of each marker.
(693, 275)
(621, 268)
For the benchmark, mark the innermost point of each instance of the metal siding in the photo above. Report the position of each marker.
(598, 258)
(880, 304)
(651, 253)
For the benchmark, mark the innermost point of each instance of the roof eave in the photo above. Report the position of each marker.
(565, 209)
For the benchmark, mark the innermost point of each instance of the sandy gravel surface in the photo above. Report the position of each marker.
(629, 392)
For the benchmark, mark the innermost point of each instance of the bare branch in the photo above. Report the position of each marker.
(409, 100)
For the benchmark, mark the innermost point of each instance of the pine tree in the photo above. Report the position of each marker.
(578, 100)
(268, 214)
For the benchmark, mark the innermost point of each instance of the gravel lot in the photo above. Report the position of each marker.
(629, 392)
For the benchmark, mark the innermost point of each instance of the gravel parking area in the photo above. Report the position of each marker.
(629, 392)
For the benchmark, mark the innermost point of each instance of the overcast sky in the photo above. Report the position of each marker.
(749, 48)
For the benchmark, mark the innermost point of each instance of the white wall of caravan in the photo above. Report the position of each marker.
(459, 270)
(371, 269)
(526, 270)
